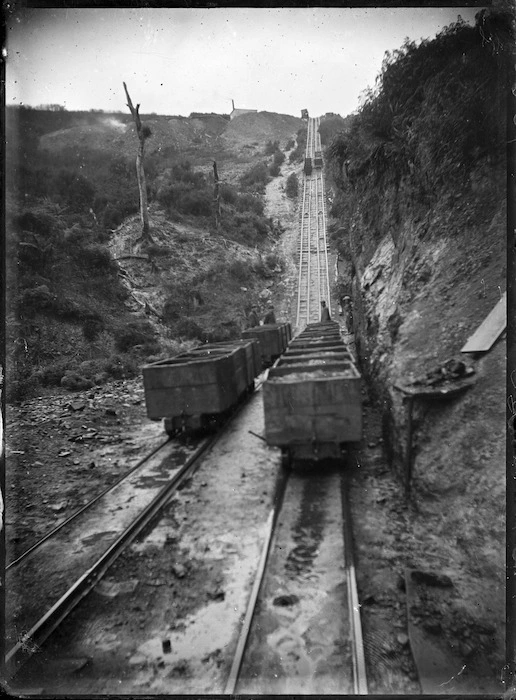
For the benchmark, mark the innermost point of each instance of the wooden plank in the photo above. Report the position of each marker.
(490, 329)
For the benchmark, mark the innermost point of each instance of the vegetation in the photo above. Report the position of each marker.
(292, 186)
(68, 320)
(435, 113)
(297, 155)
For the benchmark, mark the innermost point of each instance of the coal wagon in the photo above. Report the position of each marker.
(312, 397)
(272, 339)
(197, 389)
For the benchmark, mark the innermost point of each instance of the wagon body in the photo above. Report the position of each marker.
(189, 386)
(311, 404)
(272, 339)
(312, 396)
(250, 347)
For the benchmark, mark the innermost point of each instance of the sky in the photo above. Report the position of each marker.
(183, 60)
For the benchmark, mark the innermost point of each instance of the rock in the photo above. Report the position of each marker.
(429, 578)
(433, 626)
(77, 405)
(58, 506)
(216, 594)
(402, 639)
(179, 570)
(64, 454)
(285, 601)
(110, 412)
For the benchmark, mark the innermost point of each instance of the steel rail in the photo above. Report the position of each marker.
(309, 246)
(272, 520)
(20, 653)
(85, 507)
(301, 252)
(318, 303)
(359, 667)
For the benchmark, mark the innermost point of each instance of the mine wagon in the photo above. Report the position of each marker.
(308, 166)
(312, 409)
(312, 397)
(272, 339)
(253, 357)
(318, 161)
(196, 389)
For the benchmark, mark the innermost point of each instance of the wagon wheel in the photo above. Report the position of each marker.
(286, 458)
(170, 430)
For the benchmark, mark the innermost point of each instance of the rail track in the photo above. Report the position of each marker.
(89, 541)
(313, 280)
(306, 634)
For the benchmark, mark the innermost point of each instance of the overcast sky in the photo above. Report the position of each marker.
(177, 61)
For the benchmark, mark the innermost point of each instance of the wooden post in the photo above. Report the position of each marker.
(140, 172)
(216, 195)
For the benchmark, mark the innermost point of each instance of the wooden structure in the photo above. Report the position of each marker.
(312, 397)
(193, 389)
(490, 329)
(272, 339)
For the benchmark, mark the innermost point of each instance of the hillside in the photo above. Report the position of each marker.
(88, 300)
(420, 207)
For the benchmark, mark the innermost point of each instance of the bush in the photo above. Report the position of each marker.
(274, 170)
(120, 367)
(96, 258)
(187, 328)
(271, 147)
(52, 374)
(37, 299)
(134, 333)
(256, 178)
(292, 186)
(92, 327)
(250, 203)
(279, 158)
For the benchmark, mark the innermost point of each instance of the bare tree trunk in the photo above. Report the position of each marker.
(140, 172)
(216, 195)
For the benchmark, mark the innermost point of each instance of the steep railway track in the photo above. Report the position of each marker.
(313, 276)
(302, 630)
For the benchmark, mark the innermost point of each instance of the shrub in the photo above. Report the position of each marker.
(256, 178)
(187, 328)
(279, 158)
(92, 327)
(52, 374)
(96, 258)
(120, 367)
(134, 333)
(274, 170)
(271, 147)
(292, 186)
(228, 194)
(37, 299)
(248, 202)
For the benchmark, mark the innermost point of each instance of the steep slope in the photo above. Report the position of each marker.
(419, 187)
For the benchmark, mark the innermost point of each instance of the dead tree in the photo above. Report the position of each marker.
(143, 133)
(216, 195)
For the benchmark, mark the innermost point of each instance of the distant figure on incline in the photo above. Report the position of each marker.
(325, 313)
(348, 313)
(270, 317)
(253, 319)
